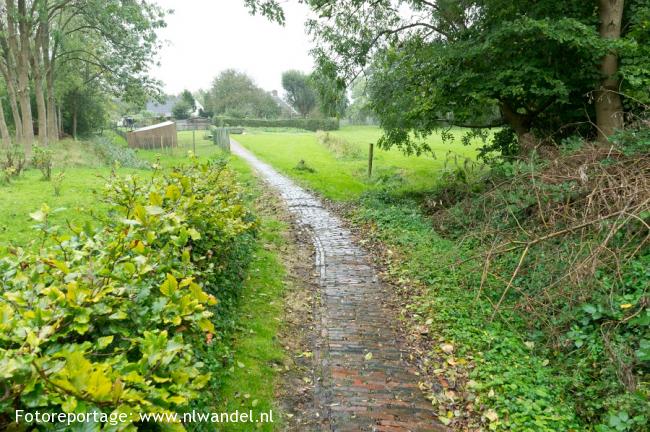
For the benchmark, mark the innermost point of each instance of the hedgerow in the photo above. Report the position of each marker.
(310, 124)
(121, 318)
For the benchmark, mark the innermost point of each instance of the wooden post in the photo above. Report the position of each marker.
(193, 137)
(370, 154)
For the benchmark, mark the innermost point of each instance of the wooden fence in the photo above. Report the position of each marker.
(221, 138)
(193, 124)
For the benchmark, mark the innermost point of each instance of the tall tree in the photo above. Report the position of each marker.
(38, 38)
(540, 67)
(609, 105)
(299, 91)
(234, 93)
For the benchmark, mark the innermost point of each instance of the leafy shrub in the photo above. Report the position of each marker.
(12, 162)
(57, 183)
(631, 141)
(117, 319)
(309, 124)
(113, 153)
(339, 146)
(302, 166)
(42, 159)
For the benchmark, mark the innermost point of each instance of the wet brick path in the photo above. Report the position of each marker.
(363, 384)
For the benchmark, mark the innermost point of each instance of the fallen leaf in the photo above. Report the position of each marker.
(447, 348)
(368, 356)
(491, 415)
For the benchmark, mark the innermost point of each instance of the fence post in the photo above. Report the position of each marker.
(370, 155)
(194, 137)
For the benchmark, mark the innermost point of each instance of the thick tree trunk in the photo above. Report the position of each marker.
(23, 78)
(13, 103)
(52, 124)
(521, 125)
(609, 106)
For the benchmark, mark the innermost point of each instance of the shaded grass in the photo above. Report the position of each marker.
(346, 178)
(250, 382)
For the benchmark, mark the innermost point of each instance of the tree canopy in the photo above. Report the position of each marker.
(234, 93)
(545, 69)
(299, 90)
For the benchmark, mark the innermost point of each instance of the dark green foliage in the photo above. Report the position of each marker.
(631, 141)
(300, 91)
(310, 124)
(531, 65)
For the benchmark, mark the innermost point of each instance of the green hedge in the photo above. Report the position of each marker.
(309, 124)
(121, 318)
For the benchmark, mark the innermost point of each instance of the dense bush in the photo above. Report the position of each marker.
(113, 153)
(310, 124)
(117, 319)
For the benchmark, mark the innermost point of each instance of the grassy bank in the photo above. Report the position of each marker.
(520, 342)
(343, 175)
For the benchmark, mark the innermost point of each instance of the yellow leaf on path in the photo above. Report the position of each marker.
(368, 356)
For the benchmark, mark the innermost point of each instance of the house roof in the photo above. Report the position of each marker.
(282, 103)
(162, 109)
(166, 109)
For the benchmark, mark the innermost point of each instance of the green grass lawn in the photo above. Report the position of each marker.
(200, 145)
(346, 178)
(84, 174)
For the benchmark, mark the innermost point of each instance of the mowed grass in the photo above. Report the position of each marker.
(199, 145)
(345, 178)
(84, 177)
(80, 195)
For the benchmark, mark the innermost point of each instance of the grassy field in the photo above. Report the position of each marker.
(83, 176)
(84, 173)
(343, 178)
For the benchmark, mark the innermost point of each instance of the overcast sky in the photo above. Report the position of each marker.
(204, 37)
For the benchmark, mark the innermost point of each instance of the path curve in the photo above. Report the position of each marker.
(363, 383)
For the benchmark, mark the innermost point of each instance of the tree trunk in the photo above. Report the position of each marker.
(609, 106)
(521, 125)
(13, 103)
(4, 131)
(38, 91)
(74, 122)
(52, 124)
(23, 73)
(48, 66)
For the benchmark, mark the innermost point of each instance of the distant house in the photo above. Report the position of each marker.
(287, 110)
(166, 108)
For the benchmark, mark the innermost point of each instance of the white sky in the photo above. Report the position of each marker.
(204, 37)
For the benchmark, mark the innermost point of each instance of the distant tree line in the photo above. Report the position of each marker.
(70, 59)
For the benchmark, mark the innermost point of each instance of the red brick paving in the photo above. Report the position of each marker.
(363, 383)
